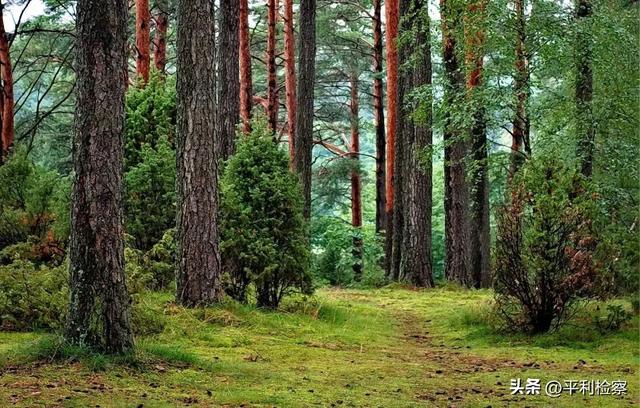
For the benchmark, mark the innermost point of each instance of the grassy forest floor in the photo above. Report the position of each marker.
(342, 348)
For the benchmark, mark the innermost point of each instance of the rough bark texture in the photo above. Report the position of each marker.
(6, 74)
(391, 14)
(456, 191)
(378, 116)
(520, 146)
(290, 77)
(356, 184)
(99, 308)
(272, 74)
(246, 81)
(143, 39)
(414, 129)
(198, 274)
(160, 37)
(585, 127)
(305, 95)
(479, 232)
(228, 84)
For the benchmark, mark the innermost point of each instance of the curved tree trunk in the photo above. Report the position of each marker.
(356, 184)
(143, 39)
(6, 74)
(479, 233)
(198, 274)
(391, 13)
(160, 38)
(246, 82)
(415, 121)
(99, 308)
(228, 83)
(305, 95)
(378, 117)
(456, 190)
(290, 78)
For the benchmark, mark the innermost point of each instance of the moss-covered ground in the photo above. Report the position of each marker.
(389, 347)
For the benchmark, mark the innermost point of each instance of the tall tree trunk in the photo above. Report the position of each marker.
(585, 127)
(198, 274)
(378, 116)
(246, 82)
(290, 77)
(6, 74)
(160, 38)
(479, 233)
(228, 84)
(456, 191)
(356, 184)
(99, 307)
(272, 74)
(391, 13)
(143, 39)
(520, 145)
(415, 121)
(305, 95)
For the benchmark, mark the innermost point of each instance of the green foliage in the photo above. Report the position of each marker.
(160, 260)
(264, 234)
(150, 117)
(333, 257)
(150, 198)
(34, 204)
(545, 254)
(616, 316)
(32, 297)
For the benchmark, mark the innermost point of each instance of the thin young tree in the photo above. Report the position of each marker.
(356, 182)
(198, 260)
(305, 96)
(479, 212)
(456, 200)
(228, 84)
(585, 126)
(520, 145)
(414, 129)
(143, 39)
(290, 77)
(6, 99)
(99, 307)
(246, 81)
(378, 115)
(160, 36)
(391, 15)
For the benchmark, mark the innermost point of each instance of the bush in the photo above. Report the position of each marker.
(160, 260)
(32, 297)
(150, 198)
(264, 234)
(34, 207)
(545, 246)
(613, 321)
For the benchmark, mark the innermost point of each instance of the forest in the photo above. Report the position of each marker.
(315, 203)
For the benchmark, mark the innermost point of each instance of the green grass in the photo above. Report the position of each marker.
(391, 347)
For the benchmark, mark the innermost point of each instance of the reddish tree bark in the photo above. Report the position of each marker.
(290, 77)
(479, 234)
(246, 81)
(272, 75)
(520, 146)
(391, 13)
(143, 39)
(378, 116)
(356, 194)
(6, 74)
(160, 37)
